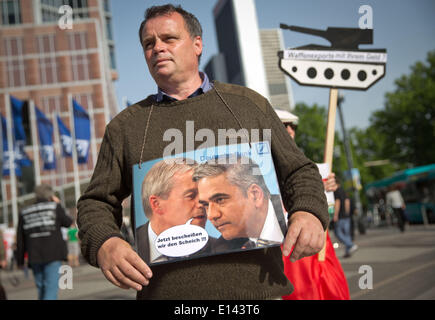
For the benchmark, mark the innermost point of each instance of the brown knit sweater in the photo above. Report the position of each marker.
(257, 274)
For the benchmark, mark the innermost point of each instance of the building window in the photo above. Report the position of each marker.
(107, 5)
(80, 67)
(78, 41)
(52, 104)
(15, 68)
(47, 64)
(79, 62)
(109, 29)
(77, 4)
(112, 57)
(50, 9)
(11, 13)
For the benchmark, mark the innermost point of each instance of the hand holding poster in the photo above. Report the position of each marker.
(206, 202)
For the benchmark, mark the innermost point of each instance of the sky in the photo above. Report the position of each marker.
(406, 28)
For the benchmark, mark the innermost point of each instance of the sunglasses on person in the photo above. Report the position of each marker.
(291, 125)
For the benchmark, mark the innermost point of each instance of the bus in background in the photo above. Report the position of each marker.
(417, 186)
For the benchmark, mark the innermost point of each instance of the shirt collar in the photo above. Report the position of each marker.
(205, 86)
(152, 236)
(271, 229)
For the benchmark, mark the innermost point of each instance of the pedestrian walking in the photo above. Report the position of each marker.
(342, 220)
(314, 279)
(395, 200)
(39, 234)
(2, 264)
(73, 246)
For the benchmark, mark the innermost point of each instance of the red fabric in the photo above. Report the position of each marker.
(317, 280)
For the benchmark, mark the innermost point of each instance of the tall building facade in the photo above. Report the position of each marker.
(280, 90)
(248, 54)
(239, 41)
(44, 61)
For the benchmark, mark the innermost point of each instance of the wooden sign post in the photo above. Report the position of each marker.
(329, 144)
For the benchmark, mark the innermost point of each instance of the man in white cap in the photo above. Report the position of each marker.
(289, 120)
(306, 286)
(291, 123)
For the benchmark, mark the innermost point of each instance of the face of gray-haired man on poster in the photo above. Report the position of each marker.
(170, 196)
(236, 200)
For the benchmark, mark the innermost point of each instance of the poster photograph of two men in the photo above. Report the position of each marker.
(207, 202)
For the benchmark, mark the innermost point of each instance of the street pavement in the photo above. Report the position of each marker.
(401, 265)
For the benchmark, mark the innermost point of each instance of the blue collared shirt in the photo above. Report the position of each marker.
(205, 86)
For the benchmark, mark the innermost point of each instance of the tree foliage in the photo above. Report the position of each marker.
(408, 120)
(311, 133)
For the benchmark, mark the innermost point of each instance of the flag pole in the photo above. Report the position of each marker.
(35, 143)
(5, 211)
(74, 148)
(5, 203)
(13, 178)
(92, 126)
(329, 145)
(60, 159)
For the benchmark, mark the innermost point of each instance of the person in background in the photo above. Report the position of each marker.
(312, 283)
(395, 200)
(39, 234)
(2, 264)
(73, 246)
(342, 220)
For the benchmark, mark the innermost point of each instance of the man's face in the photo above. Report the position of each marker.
(231, 212)
(182, 203)
(170, 52)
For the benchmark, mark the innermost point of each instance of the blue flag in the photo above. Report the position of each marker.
(6, 154)
(19, 133)
(65, 138)
(45, 130)
(82, 131)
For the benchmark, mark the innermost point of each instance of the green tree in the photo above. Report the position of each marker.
(407, 121)
(311, 133)
(311, 136)
(368, 145)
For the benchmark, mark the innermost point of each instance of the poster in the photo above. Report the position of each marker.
(207, 202)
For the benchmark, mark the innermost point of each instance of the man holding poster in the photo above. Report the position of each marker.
(172, 43)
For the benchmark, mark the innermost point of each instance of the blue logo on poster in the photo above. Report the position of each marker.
(263, 148)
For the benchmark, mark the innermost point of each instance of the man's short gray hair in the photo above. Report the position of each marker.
(158, 180)
(241, 171)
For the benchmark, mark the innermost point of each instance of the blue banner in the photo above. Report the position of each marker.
(45, 130)
(19, 133)
(6, 153)
(82, 126)
(65, 138)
